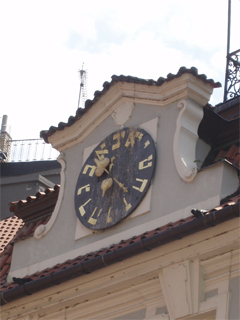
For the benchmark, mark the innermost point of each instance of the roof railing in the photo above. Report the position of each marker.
(31, 150)
(232, 85)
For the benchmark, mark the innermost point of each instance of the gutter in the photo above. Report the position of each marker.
(145, 244)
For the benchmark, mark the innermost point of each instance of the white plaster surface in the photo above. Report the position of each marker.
(152, 224)
(169, 199)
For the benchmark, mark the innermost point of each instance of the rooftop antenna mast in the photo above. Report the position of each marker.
(232, 75)
(83, 87)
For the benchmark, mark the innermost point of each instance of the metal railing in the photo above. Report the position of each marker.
(232, 84)
(32, 150)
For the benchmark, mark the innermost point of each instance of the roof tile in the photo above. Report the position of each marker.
(232, 154)
(16, 205)
(25, 230)
(45, 134)
(78, 260)
(8, 229)
(4, 270)
(3, 261)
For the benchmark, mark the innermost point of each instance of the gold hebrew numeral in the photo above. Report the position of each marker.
(109, 219)
(139, 135)
(91, 220)
(127, 205)
(81, 208)
(147, 143)
(143, 184)
(131, 138)
(92, 170)
(118, 136)
(143, 165)
(100, 153)
(87, 189)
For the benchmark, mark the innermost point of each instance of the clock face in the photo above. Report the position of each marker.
(115, 178)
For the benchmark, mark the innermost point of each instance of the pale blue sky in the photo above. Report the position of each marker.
(44, 44)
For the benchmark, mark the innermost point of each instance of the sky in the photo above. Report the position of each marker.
(45, 43)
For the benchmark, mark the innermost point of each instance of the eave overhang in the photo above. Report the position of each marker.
(186, 83)
(109, 257)
(218, 131)
(35, 207)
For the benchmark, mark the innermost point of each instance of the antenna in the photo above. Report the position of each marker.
(232, 75)
(83, 88)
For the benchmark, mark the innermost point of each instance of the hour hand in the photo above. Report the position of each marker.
(106, 184)
(101, 165)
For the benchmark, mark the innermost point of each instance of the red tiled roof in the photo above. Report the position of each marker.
(36, 210)
(27, 218)
(28, 229)
(231, 154)
(18, 207)
(21, 231)
(5, 263)
(113, 248)
(8, 229)
(79, 113)
(33, 211)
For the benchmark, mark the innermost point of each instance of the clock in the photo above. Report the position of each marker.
(115, 178)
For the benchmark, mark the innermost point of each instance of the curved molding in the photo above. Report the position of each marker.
(43, 229)
(185, 139)
(121, 92)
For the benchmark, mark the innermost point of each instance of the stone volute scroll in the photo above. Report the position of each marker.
(185, 139)
(43, 229)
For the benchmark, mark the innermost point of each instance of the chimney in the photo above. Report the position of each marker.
(5, 141)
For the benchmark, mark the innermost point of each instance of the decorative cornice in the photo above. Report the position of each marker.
(129, 80)
(181, 87)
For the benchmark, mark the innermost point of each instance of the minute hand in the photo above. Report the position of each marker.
(121, 185)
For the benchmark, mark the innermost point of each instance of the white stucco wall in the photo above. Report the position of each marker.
(171, 122)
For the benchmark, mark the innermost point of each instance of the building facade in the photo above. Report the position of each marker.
(145, 224)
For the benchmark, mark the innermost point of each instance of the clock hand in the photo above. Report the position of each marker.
(121, 185)
(101, 165)
(106, 184)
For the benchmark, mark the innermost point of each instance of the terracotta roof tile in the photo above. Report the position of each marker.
(14, 228)
(72, 119)
(9, 250)
(231, 154)
(8, 229)
(4, 270)
(5, 262)
(27, 229)
(16, 205)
